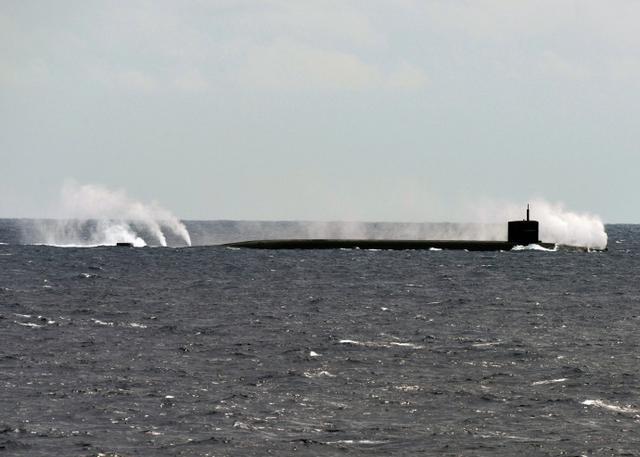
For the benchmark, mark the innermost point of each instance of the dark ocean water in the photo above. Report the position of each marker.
(220, 352)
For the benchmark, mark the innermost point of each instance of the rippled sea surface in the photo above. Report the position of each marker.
(223, 352)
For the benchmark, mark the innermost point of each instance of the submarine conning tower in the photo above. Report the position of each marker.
(524, 232)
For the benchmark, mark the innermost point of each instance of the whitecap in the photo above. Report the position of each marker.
(381, 344)
(408, 345)
(358, 343)
(611, 407)
(313, 354)
(357, 442)
(136, 325)
(435, 249)
(407, 388)
(99, 322)
(548, 381)
(318, 374)
(28, 324)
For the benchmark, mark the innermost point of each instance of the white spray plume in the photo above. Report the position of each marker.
(114, 216)
(557, 224)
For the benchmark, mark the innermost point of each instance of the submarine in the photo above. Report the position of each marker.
(520, 233)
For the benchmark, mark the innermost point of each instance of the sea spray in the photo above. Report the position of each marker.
(557, 224)
(89, 215)
(80, 233)
(560, 226)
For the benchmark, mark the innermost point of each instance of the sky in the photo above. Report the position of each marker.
(322, 110)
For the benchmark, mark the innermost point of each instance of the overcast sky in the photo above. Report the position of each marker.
(323, 110)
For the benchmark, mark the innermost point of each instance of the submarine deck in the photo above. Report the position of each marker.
(468, 245)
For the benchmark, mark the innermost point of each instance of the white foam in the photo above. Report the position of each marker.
(533, 247)
(28, 324)
(503, 435)
(611, 407)
(407, 388)
(381, 344)
(356, 442)
(318, 374)
(435, 249)
(357, 343)
(548, 381)
(99, 322)
(313, 354)
(408, 345)
(136, 325)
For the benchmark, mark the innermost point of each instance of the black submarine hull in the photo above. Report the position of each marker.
(467, 245)
(520, 233)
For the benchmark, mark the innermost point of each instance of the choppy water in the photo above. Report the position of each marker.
(214, 351)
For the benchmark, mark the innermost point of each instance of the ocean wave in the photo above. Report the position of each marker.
(611, 407)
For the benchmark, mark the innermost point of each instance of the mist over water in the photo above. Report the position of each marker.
(91, 215)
